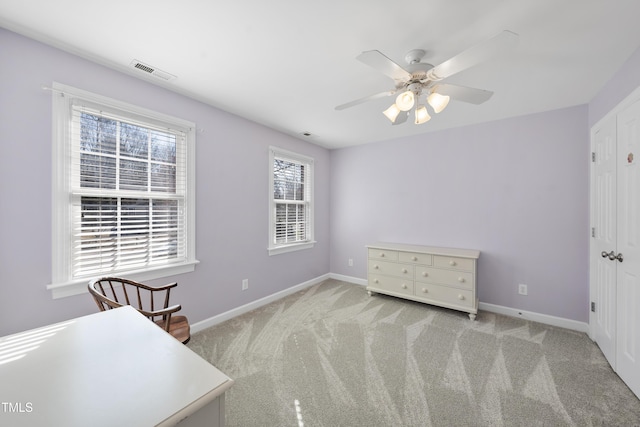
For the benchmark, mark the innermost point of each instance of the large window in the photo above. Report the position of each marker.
(291, 201)
(123, 191)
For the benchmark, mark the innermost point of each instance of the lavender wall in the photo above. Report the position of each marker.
(515, 189)
(232, 187)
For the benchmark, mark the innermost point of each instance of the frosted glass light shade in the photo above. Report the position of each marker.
(392, 112)
(405, 101)
(438, 102)
(422, 116)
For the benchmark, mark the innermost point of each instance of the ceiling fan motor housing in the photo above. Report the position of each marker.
(415, 88)
(414, 56)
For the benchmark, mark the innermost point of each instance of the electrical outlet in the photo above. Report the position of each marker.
(350, 262)
(245, 284)
(522, 289)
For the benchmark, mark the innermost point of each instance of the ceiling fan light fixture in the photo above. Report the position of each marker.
(392, 112)
(438, 102)
(405, 100)
(422, 115)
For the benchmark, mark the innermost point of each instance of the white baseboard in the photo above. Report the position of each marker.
(350, 279)
(536, 317)
(204, 324)
(507, 311)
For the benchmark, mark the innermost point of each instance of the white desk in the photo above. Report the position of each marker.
(112, 368)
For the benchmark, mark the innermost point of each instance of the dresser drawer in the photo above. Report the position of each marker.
(383, 254)
(454, 263)
(391, 269)
(415, 258)
(460, 279)
(444, 294)
(391, 284)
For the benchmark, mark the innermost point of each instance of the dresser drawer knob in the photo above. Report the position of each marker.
(404, 270)
(376, 281)
(415, 258)
(425, 274)
(461, 279)
(452, 262)
(381, 254)
(376, 267)
(404, 286)
(461, 297)
(425, 290)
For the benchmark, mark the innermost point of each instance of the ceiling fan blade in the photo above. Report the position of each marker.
(474, 55)
(380, 62)
(464, 94)
(366, 99)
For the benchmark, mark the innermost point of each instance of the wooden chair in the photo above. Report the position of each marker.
(113, 292)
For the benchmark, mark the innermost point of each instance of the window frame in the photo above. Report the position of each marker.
(273, 247)
(64, 98)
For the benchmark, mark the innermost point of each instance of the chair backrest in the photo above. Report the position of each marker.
(113, 292)
(153, 302)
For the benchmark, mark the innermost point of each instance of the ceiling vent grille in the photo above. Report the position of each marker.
(146, 68)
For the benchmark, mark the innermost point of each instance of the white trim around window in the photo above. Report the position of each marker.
(291, 206)
(130, 193)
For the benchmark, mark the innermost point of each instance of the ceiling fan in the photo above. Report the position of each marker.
(419, 80)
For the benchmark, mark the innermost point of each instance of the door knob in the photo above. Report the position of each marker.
(612, 256)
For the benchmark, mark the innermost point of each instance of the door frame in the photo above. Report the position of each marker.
(603, 214)
(629, 100)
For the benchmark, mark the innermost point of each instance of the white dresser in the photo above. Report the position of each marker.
(445, 277)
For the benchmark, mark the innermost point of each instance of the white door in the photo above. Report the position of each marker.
(628, 282)
(615, 246)
(603, 221)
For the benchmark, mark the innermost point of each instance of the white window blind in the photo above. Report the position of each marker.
(291, 201)
(129, 194)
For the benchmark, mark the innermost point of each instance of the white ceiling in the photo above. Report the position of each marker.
(288, 63)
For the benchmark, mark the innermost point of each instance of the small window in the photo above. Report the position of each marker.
(123, 191)
(291, 201)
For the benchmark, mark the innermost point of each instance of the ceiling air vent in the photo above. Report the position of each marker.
(151, 70)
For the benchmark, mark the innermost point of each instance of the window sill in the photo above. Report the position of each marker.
(275, 250)
(77, 287)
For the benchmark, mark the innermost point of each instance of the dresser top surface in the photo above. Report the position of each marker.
(434, 250)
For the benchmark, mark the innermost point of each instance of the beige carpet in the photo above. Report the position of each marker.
(331, 355)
